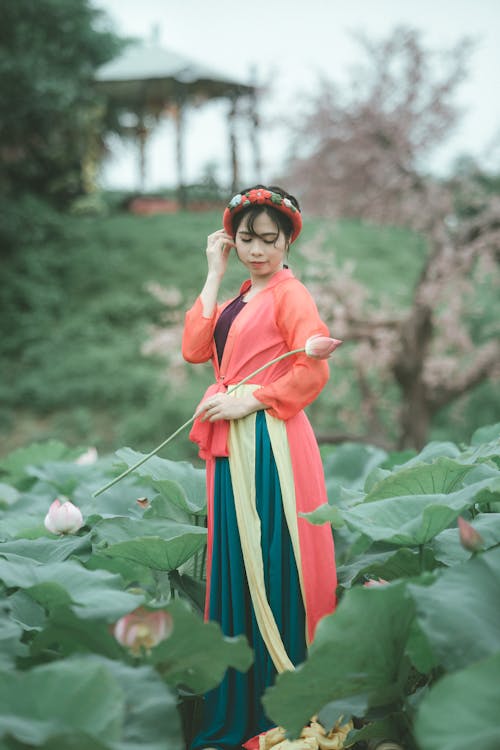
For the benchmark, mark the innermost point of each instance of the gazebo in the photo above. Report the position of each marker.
(151, 82)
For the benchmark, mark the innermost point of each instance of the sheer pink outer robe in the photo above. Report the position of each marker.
(276, 320)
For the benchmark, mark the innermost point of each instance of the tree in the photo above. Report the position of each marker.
(364, 157)
(49, 50)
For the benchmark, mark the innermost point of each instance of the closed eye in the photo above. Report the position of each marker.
(266, 242)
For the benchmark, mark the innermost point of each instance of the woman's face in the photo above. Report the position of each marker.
(264, 252)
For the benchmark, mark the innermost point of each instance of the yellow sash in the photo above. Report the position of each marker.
(241, 443)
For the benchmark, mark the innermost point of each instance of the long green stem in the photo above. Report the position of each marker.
(189, 421)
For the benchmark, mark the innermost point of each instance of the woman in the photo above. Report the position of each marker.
(270, 573)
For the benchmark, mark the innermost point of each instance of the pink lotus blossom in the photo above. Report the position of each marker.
(375, 582)
(469, 537)
(87, 458)
(63, 518)
(321, 347)
(142, 629)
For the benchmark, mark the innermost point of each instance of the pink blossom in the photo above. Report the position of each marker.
(469, 537)
(87, 458)
(143, 629)
(375, 582)
(63, 518)
(321, 347)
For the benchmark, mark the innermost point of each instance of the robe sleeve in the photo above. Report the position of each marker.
(297, 318)
(197, 338)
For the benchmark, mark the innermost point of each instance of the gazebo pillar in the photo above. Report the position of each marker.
(233, 145)
(179, 117)
(142, 136)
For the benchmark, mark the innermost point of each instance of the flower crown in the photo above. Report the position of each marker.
(262, 196)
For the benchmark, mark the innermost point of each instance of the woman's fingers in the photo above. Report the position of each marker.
(220, 237)
(219, 245)
(212, 409)
(208, 405)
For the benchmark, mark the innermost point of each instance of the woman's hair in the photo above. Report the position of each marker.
(280, 219)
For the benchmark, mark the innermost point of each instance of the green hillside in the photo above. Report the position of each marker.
(76, 311)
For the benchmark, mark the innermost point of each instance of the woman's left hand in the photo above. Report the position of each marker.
(222, 406)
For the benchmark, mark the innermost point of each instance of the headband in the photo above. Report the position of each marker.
(261, 196)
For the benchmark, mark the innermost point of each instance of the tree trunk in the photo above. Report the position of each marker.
(415, 416)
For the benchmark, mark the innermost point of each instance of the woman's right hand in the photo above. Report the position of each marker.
(219, 245)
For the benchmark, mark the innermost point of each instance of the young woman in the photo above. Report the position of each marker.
(270, 573)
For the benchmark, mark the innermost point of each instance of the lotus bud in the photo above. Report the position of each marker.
(142, 629)
(63, 518)
(469, 537)
(321, 347)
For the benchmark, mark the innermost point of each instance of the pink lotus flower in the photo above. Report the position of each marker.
(63, 518)
(142, 629)
(89, 457)
(321, 347)
(375, 582)
(469, 537)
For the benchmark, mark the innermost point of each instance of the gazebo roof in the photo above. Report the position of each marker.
(146, 74)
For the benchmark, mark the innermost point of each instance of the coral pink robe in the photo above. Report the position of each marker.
(276, 320)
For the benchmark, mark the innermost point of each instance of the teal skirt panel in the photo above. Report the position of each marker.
(233, 712)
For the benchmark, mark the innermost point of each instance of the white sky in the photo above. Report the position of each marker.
(290, 42)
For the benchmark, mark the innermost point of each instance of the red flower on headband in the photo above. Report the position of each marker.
(259, 195)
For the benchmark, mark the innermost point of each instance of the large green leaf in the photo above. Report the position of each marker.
(133, 574)
(62, 698)
(433, 450)
(348, 465)
(156, 543)
(411, 520)
(179, 481)
(14, 466)
(461, 711)
(63, 476)
(197, 654)
(26, 612)
(161, 507)
(10, 641)
(119, 500)
(152, 720)
(419, 650)
(25, 518)
(460, 612)
(488, 434)
(441, 477)
(91, 703)
(91, 594)
(325, 513)
(356, 658)
(66, 634)
(45, 549)
(8, 495)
